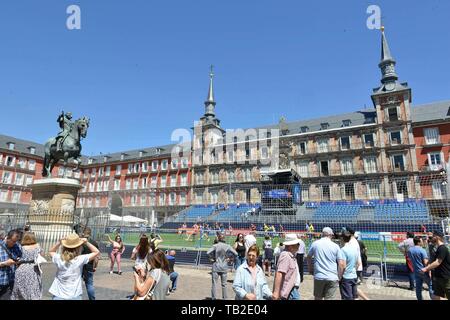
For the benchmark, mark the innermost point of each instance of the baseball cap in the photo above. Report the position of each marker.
(328, 231)
(351, 230)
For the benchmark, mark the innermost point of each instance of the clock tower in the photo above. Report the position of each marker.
(392, 101)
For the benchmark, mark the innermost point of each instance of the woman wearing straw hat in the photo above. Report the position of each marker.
(68, 281)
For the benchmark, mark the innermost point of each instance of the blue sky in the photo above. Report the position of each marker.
(139, 68)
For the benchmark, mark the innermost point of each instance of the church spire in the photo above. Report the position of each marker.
(387, 64)
(211, 91)
(210, 104)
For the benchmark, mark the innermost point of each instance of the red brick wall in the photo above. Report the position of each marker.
(419, 138)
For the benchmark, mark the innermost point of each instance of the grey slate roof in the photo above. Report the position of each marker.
(334, 122)
(421, 113)
(21, 146)
(431, 111)
(131, 154)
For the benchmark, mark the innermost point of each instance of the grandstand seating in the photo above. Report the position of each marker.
(388, 212)
(210, 212)
(195, 212)
(411, 211)
(233, 213)
(336, 211)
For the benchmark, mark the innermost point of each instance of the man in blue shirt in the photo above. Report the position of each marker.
(348, 283)
(10, 252)
(328, 261)
(173, 274)
(419, 259)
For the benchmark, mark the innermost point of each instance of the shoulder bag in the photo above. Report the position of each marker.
(149, 295)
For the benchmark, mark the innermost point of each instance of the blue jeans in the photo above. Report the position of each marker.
(411, 279)
(238, 261)
(294, 295)
(420, 279)
(88, 277)
(174, 277)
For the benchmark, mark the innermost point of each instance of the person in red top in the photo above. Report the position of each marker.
(193, 233)
(287, 278)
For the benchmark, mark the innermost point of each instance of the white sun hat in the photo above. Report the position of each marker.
(291, 239)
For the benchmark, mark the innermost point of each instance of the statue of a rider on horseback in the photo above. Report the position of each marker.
(65, 123)
(66, 145)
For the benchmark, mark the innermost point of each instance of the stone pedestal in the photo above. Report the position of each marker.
(52, 209)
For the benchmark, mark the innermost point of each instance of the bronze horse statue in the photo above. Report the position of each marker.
(70, 147)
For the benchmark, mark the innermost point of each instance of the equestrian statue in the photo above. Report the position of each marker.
(66, 145)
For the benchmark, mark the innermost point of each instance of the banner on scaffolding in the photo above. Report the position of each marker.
(297, 193)
(278, 194)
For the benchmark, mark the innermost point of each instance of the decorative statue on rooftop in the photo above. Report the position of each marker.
(66, 145)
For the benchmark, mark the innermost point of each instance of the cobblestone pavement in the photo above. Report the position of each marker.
(195, 284)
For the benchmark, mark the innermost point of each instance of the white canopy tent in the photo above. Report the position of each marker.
(115, 220)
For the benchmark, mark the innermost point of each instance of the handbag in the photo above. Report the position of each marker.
(150, 292)
(38, 260)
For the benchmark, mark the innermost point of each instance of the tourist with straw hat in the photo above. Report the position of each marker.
(287, 277)
(70, 262)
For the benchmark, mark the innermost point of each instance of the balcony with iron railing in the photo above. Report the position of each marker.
(432, 168)
(394, 120)
(336, 172)
(18, 168)
(336, 148)
(396, 142)
(399, 168)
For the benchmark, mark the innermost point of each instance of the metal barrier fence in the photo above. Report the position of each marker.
(386, 263)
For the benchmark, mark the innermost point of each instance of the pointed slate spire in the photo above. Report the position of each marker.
(387, 64)
(210, 103)
(385, 51)
(211, 90)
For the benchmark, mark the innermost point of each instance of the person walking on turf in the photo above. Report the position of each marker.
(219, 254)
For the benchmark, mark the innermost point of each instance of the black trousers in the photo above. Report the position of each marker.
(300, 264)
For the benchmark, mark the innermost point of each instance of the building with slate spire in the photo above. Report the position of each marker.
(369, 154)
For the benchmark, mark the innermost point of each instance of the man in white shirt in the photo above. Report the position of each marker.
(300, 255)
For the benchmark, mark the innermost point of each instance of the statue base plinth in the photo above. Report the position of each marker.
(52, 209)
(54, 194)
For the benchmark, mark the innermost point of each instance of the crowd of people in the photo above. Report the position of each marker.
(21, 256)
(76, 258)
(336, 261)
(427, 261)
